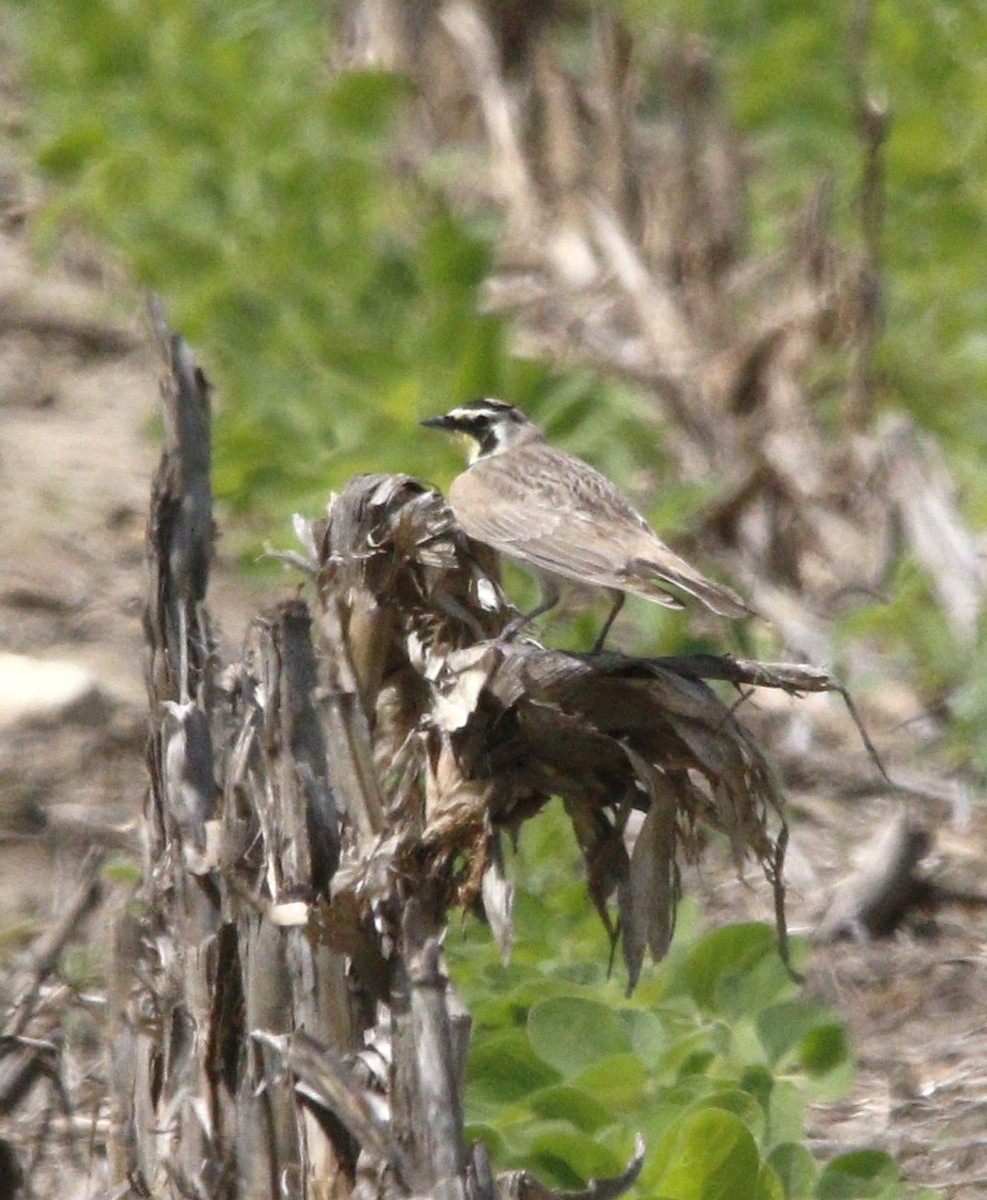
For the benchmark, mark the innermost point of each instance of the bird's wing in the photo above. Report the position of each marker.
(557, 514)
(533, 514)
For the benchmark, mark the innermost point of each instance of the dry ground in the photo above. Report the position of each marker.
(77, 398)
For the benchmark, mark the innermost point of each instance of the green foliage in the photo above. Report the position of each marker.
(326, 294)
(711, 1059)
(331, 294)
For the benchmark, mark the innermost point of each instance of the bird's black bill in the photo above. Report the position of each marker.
(443, 422)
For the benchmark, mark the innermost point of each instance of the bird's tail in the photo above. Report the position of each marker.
(676, 571)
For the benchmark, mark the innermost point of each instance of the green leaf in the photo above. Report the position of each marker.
(503, 1068)
(795, 1168)
(783, 1026)
(479, 1131)
(648, 1035)
(690, 1053)
(571, 1032)
(786, 1113)
(568, 1159)
(768, 1184)
(576, 1105)
(759, 1082)
(740, 1103)
(857, 1175)
(708, 1155)
(823, 1049)
(618, 1082)
(72, 151)
(723, 957)
(498, 1003)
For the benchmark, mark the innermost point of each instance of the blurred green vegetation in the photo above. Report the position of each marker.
(331, 295)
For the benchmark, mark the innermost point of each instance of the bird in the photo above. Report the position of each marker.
(560, 518)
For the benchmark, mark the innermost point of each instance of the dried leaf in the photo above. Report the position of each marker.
(461, 682)
(497, 893)
(649, 896)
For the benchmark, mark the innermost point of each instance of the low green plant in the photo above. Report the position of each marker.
(712, 1060)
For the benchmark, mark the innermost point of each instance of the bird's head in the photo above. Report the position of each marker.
(487, 427)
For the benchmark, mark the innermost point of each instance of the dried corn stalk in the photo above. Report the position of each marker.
(473, 735)
(283, 1020)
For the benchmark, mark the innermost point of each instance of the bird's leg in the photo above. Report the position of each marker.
(618, 598)
(549, 598)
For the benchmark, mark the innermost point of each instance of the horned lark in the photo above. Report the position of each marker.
(559, 517)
